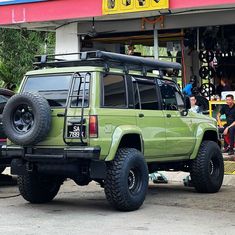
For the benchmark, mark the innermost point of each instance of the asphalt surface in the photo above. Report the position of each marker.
(168, 209)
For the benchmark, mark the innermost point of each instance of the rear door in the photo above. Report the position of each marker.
(150, 117)
(55, 88)
(65, 93)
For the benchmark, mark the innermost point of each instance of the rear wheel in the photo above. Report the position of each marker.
(207, 171)
(126, 182)
(36, 188)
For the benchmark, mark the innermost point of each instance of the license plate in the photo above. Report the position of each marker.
(74, 131)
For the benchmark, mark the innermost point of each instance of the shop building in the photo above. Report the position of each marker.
(198, 34)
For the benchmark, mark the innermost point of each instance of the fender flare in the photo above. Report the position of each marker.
(201, 130)
(118, 133)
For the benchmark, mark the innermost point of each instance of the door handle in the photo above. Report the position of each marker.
(141, 115)
(77, 121)
(60, 114)
(168, 115)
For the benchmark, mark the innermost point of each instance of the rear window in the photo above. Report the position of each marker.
(54, 88)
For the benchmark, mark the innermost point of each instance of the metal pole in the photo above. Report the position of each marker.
(198, 39)
(155, 38)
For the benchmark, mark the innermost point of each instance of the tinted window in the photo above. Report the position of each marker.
(54, 88)
(145, 96)
(114, 91)
(172, 98)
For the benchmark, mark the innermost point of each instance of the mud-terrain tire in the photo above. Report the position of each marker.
(37, 189)
(126, 183)
(26, 118)
(207, 170)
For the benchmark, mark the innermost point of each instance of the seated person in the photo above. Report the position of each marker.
(229, 129)
(194, 108)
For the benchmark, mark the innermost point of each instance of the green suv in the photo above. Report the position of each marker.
(109, 118)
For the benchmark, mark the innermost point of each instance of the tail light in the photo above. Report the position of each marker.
(93, 126)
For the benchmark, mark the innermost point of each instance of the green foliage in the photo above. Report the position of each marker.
(17, 51)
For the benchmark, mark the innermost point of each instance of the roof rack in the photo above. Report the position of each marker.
(106, 60)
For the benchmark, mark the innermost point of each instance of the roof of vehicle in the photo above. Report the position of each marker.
(103, 60)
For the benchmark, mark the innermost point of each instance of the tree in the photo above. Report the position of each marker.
(17, 51)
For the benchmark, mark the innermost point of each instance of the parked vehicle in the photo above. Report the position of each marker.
(5, 94)
(106, 117)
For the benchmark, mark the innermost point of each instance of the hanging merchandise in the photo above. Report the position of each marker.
(206, 56)
(207, 89)
(207, 72)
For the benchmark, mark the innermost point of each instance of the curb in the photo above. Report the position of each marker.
(229, 180)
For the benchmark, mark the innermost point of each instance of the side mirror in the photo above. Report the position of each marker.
(187, 103)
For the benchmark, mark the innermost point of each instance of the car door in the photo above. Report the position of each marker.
(180, 136)
(149, 117)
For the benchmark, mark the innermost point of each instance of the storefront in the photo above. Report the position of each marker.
(198, 34)
(175, 29)
(113, 24)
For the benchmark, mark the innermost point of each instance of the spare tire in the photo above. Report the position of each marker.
(26, 118)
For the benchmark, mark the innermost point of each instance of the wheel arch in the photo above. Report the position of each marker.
(125, 136)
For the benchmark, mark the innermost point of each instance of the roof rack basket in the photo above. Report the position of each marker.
(106, 59)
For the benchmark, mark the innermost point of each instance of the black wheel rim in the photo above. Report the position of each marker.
(134, 180)
(214, 167)
(23, 118)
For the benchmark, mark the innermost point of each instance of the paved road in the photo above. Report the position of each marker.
(168, 209)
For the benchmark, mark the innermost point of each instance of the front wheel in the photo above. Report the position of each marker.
(207, 170)
(36, 188)
(126, 182)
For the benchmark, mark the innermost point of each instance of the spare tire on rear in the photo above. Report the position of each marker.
(26, 118)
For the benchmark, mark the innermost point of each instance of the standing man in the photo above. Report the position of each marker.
(229, 127)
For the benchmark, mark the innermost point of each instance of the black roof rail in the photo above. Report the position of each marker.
(106, 59)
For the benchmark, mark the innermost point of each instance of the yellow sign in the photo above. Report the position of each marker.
(229, 167)
(125, 6)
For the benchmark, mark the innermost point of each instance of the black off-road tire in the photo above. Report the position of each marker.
(27, 107)
(207, 170)
(2, 168)
(37, 189)
(126, 183)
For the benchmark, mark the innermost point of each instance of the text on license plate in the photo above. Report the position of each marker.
(74, 131)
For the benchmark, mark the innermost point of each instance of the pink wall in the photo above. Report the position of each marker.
(71, 9)
(51, 10)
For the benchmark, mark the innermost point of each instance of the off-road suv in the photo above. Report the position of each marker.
(110, 118)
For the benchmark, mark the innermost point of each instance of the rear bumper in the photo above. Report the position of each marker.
(50, 154)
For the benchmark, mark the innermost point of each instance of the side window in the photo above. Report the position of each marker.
(146, 96)
(172, 99)
(114, 91)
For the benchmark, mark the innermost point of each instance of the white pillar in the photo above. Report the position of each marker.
(68, 41)
(155, 36)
